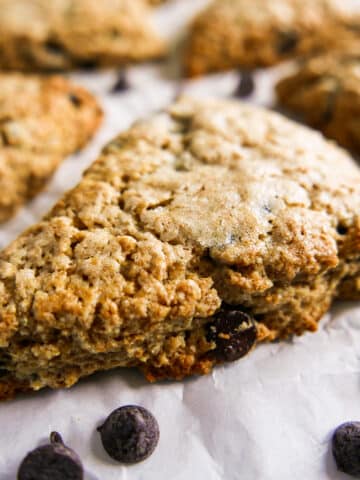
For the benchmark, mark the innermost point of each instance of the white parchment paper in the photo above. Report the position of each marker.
(269, 416)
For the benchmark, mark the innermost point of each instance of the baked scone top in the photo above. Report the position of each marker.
(48, 115)
(281, 12)
(214, 201)
(250, 34)
(61, 34)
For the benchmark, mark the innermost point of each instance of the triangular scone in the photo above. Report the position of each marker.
(42, 120)
(258, 33)
(195, 235)
(64, 34)
(325, 91)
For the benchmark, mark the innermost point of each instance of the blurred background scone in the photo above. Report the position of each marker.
(258, 33)
(42, 120)
(63, 34)
(325, 92)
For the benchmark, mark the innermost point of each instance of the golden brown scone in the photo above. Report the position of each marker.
(259, 33)
(64, 34)
(196, 234)
(325, 91)
(42, 120)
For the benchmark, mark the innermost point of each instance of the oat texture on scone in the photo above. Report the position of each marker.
(42, 120)
(64, 34)
(258, 33)
(196, 235)
(325, 92)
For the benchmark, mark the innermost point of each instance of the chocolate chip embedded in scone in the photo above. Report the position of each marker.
(257, 33)
(65, 34)
(325, 92)
(234, 334)
(42, 120)
(196, 235)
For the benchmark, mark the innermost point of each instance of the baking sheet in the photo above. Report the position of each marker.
(268, 416)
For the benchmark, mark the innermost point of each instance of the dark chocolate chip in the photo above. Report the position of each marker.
(51, 462)
(121, 84)
(130, 434)
(87, 64)
(234, 333)
(54, 47)
(246, 85)
(287, 42)
(75, 100)
(346, 448)
(3, 372)
(342, 229)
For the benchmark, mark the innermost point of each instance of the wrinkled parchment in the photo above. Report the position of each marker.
(269, 416)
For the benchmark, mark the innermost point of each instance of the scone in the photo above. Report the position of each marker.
(63, 34)
(196, 235)
(42, 120)
(258, 33)
(325, 91)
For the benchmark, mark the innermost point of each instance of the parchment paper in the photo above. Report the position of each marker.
(269, 416)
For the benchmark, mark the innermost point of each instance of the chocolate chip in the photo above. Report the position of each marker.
(346, 448)
(129, 434)
(75, 100)
(121, 84)
(234, 333)
(342, 229)
(246, 85)
(287, 42)
(87, 64)
(54, 461)
(54, 47)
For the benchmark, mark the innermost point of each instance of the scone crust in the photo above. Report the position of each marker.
(212, 204)
(325, 92)
(239, 33)
(42, 120)
(65, 34)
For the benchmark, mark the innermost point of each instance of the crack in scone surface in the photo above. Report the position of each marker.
(214, 202)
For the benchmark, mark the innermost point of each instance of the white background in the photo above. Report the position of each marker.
(269, 416)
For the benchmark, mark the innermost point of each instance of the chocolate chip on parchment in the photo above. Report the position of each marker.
(246, 85)
(346, 448)
(121, 84)
(130, 434)
(54, 461)
(234, 333)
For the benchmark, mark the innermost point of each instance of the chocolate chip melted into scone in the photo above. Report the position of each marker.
(195, 235)
(64, 34)
(325, 90)
(257, 33)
